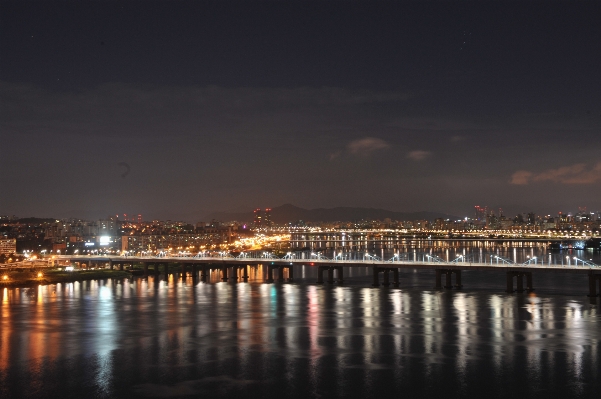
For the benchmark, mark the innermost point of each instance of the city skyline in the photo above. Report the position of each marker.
(476, 213)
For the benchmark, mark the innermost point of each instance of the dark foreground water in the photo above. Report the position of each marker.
(147, 339)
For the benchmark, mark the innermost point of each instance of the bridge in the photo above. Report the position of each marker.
(27, 264)
(234, 267)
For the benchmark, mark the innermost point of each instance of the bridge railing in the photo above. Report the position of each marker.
(367, 258)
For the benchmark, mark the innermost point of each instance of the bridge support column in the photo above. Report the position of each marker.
(156, 270)
(290, 273)
(184, 271)
(438, 279)
(120, 265)
(330, 275)
(386, 282)
(223, 273)
(166, 271)
(509, 288)
(520, 282)
(269, 275)
(592, 286)
(280, 274)
(395, 278)
(111, 265)
(376, 282)
(203, 273)
(319, 274)
(245, 273)
(145, 264)
(340, 274)
(449, 282)
(458, 284)
(234, 276)
(529, 286)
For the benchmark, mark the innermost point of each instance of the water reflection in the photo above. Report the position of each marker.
(149, 338)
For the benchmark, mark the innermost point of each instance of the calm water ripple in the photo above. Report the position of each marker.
(141, 338)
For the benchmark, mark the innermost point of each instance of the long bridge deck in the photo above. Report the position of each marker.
(238, 267)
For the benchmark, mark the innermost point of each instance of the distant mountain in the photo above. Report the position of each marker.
(291, 213)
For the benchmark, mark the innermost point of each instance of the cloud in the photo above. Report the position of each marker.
(573, 174)
(419, 155)
(366, 146)
(521, 177)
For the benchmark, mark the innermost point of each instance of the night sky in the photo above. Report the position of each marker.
(176, 110)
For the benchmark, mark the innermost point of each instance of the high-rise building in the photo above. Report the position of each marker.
(481, 212)
(258, 220)
(267, 217)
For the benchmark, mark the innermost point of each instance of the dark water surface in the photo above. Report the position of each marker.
(141, 338)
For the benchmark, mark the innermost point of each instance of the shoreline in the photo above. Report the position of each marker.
(29, 279)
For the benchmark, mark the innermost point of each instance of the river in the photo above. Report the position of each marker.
(141, 338)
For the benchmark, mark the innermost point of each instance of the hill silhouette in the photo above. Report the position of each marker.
(290, 213)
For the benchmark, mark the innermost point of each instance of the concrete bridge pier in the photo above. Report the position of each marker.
(320, 270)
(203, 273)
(593, 279)
(330, 275)
(395, 278)
(520, 283)
(339, 274)
(183, 271)
(519, 275)
(458, 284)
(224, 273)
(145, 265)
(280, 274)
(290, 273)
(111, 264)
(156, 270)
(386, 282)
(449, 283)
(376, 282)
(245, 273)
(120, 265)
(166, 271)
(234, 276)
(269, 274)
(194, 272)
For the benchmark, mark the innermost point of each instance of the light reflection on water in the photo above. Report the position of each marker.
(147, 338)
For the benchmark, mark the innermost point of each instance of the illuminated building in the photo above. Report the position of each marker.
(8, 246)
(258, 219)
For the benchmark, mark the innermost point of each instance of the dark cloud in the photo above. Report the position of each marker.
(574, 174)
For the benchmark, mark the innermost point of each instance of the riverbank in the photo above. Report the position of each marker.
(27, 278)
